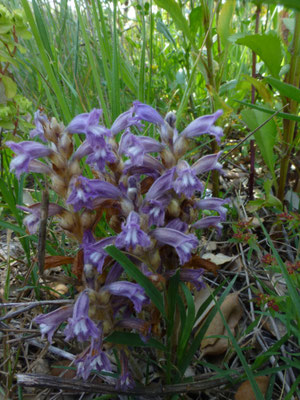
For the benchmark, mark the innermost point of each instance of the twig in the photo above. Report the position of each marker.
(207, 381)
(37, 303)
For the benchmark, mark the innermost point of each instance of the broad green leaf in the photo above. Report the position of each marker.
(265, 137)
(10, 86)
(175, 11)
(133, 272)
(262, 89)
(286, 3)
(134, 340)
(162, 28)
(225, 18)
(267, 46)
(41, 25)
(285, 89)
(195, 20)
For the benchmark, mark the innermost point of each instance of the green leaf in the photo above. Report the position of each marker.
(291, 117)
(225, 18)
(267, 46)
(9, 85)
(285, 89)
(175, 11)
(286, 3)
(189, 322)
(265, 137)
(195, 20)
(162, 28)
(133, 272)
(134, 340)
(41, 25)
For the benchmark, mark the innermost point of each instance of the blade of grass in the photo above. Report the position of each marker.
(115, 66)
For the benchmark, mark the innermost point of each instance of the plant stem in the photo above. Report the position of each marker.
(289, 126)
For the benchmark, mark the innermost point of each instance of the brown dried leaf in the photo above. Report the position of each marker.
(199, 262)
(56, 261)
(217, 259)
(245, 391)
(199, 298)
(59, 289)
(232, 312)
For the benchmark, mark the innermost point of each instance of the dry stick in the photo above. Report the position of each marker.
(251, 133)
(43, 231)
(207, 381)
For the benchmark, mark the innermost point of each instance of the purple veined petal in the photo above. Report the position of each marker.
(147, 113)
(101, 154)
(132, 291)
(125, 380)
(207, 163)
(51, 321)
(39, 121)
(182, 243)
(213, 203)
(83, 150)
(186, 182)
(96, 134)
(193, 276)
(209, 222)
(80, 325)
(161, 185)
(39, 167)
(82, 122)
(132, 235)
(143, 327)
(114, 273)
(203, 125)
(178, 225)
(26, 152)
(84, 191)
(95, 254)
(32, 221)
(150, 166)
(155, 209)
(124, 121)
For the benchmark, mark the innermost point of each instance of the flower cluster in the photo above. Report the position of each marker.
(148, 193)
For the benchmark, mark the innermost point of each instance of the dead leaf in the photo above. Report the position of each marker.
(56, 261)
(199, 298)
(245, 391)
(217, 259)
(59, 289)
(199, 262)
(232, 312)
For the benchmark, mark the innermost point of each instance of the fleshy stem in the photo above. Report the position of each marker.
(289, 127)
(211, 81)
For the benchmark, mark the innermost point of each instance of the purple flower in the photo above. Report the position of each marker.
(156, 210)
(124, 121)
(88, 123)
(137, 324)
(182, 243)
(193, 276)
(133, 291)
(204, 125)
(101, 154)
(85, 190)
(178, 225)
(51, 321)
(94, 252)
(132, 235)
(213, 203)
(125, 380)
(209, 222)
(187, 182)
(207, 163)
(32, 221)
(39, 121)
(93, 358)
(147, 113)
(26, 152)
(161, 185)
(114, 273)
(136, 146)
(39, 167)
(150, 166)
(80, 325)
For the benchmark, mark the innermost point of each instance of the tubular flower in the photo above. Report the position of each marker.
(132, 235)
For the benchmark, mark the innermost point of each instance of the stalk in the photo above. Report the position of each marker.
(211, 81)
(289, 126)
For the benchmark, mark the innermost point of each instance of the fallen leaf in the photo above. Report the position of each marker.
(245, 391)
(232, 312)
(78, 264)
(58, 289)
(199, 298)
(56, 261)
(199, 262)
(217, 259)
